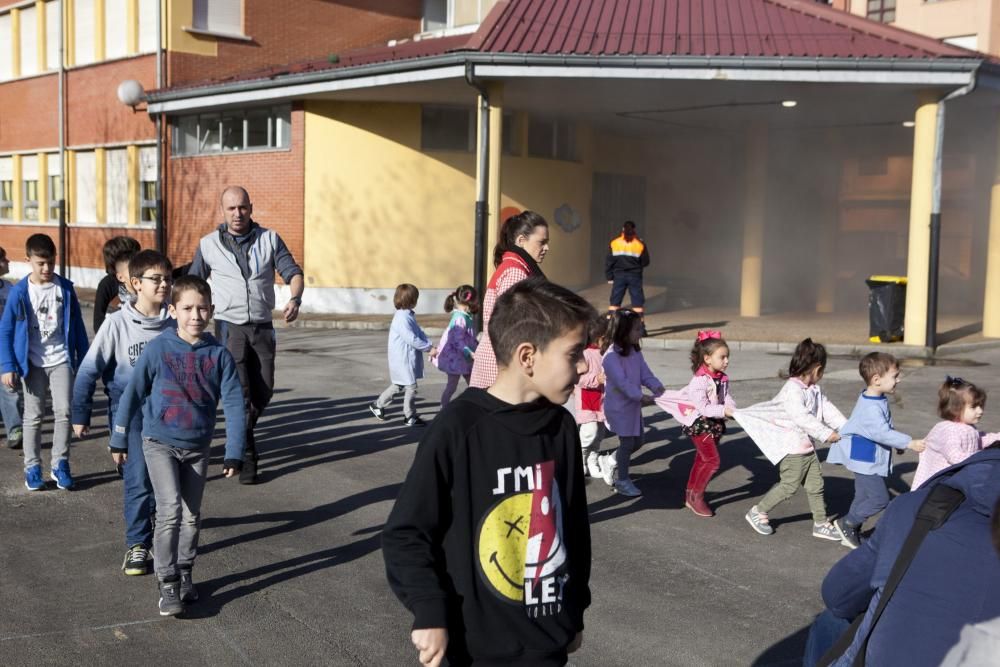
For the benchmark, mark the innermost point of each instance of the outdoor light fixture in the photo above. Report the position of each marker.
(788, 104)
(908, 123)
(130, 93)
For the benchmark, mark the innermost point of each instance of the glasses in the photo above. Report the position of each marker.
(158, 279)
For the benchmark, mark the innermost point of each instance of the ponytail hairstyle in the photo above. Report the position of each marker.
(465, 295)
(706, 343)
(620, 326)
(808, 355)
(955, 394)
(514, 227)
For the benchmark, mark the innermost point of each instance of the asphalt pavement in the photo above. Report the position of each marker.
(290, 571)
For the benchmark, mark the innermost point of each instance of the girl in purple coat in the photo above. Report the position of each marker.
(626, 373)
(458, 342)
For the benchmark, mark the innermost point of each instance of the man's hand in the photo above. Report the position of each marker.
(575, 645)
(834, 437)
(119, 457)
(431, 642)
(81, 430)
(8, 379)
(291, 311)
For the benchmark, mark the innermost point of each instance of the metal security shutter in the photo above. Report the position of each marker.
(29, 167)
(147, 25)
(6, 169)
(29, 41)
(54, 164)
(219, 16)
(116, 188)
(147, 163)
(115, 32)
(83, 31)
(6, 48)
(53, 33)
(86, 188)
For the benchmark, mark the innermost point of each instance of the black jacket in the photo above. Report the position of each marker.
(489, 536)
(625, 257)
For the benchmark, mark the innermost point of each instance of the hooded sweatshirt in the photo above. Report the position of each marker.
(116, 347)
(489, 536)
(954, 578)
(177, 386)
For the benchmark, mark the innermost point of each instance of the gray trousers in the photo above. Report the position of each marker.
(178, 477)
(57, 381)
(410, 393)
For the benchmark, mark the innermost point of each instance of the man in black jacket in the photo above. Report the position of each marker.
(627, 257)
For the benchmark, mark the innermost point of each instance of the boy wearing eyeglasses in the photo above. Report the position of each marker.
(117, 346)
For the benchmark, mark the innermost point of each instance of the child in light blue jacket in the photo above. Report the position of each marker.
(407, 343)
(866, 444)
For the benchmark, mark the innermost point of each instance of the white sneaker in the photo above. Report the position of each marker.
(627, 487)
(594, 465)
(609, 466)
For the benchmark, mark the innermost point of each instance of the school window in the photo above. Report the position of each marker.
(85, 187)
(6, 53)
(115, 34)
(147, 25)
(116, 186)
(219, 16)
(446, 128)
(55, 183)
(552, 139)
(29, 41)
(6, 188)
(444, 14)
(883, 11)
(233, 131)
(29, 187)
(83, 31)
(147, 185)
(53, 33)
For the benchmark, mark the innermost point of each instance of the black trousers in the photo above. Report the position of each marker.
(252, 346)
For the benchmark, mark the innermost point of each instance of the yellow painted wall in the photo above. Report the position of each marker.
(379, 212)
(180, 15)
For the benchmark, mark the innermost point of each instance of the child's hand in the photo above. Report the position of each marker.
(119, 457)
(431, 642)
(8, 379)
(646, 400)
(601, 378)
(81, 430)
(575, 644)
(729, 412)
(917, 445)
(834, 437)
(433, 352)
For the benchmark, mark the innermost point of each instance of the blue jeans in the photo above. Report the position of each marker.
(823, 634)
(632, 282)
(871, 495)
(10, 408)
(139, 503)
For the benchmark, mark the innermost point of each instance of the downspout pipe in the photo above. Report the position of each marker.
(482, 196)
(930, 339)
(63, 234)
(160, 233)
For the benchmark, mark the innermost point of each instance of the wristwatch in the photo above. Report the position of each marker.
(297, 300)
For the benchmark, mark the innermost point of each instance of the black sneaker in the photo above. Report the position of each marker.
(414, 421)
(849, 536)
(248, 473)
(378, 412)
(136, 560)
(188, 592)
(170, 598)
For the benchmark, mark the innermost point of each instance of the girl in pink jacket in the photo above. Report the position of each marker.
(626, 373)
(708, 393)
(960, 405)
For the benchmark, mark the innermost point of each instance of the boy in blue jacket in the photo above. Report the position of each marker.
(866, 444)
(42, 341)
(177, 383)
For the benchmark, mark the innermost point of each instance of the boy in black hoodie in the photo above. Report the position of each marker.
(488, 544)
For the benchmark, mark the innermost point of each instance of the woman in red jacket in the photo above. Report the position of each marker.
(523, 244)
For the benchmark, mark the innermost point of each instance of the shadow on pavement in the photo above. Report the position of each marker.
(785, 653)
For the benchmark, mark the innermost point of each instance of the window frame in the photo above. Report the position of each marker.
(28, 203)
(509, 121)
(556, 127)
(276, 116)
(54, 200)
(879, 13)
(7, 204)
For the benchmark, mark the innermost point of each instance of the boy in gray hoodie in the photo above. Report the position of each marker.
(115, 350)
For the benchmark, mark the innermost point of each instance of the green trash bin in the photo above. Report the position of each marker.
(886, 308)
